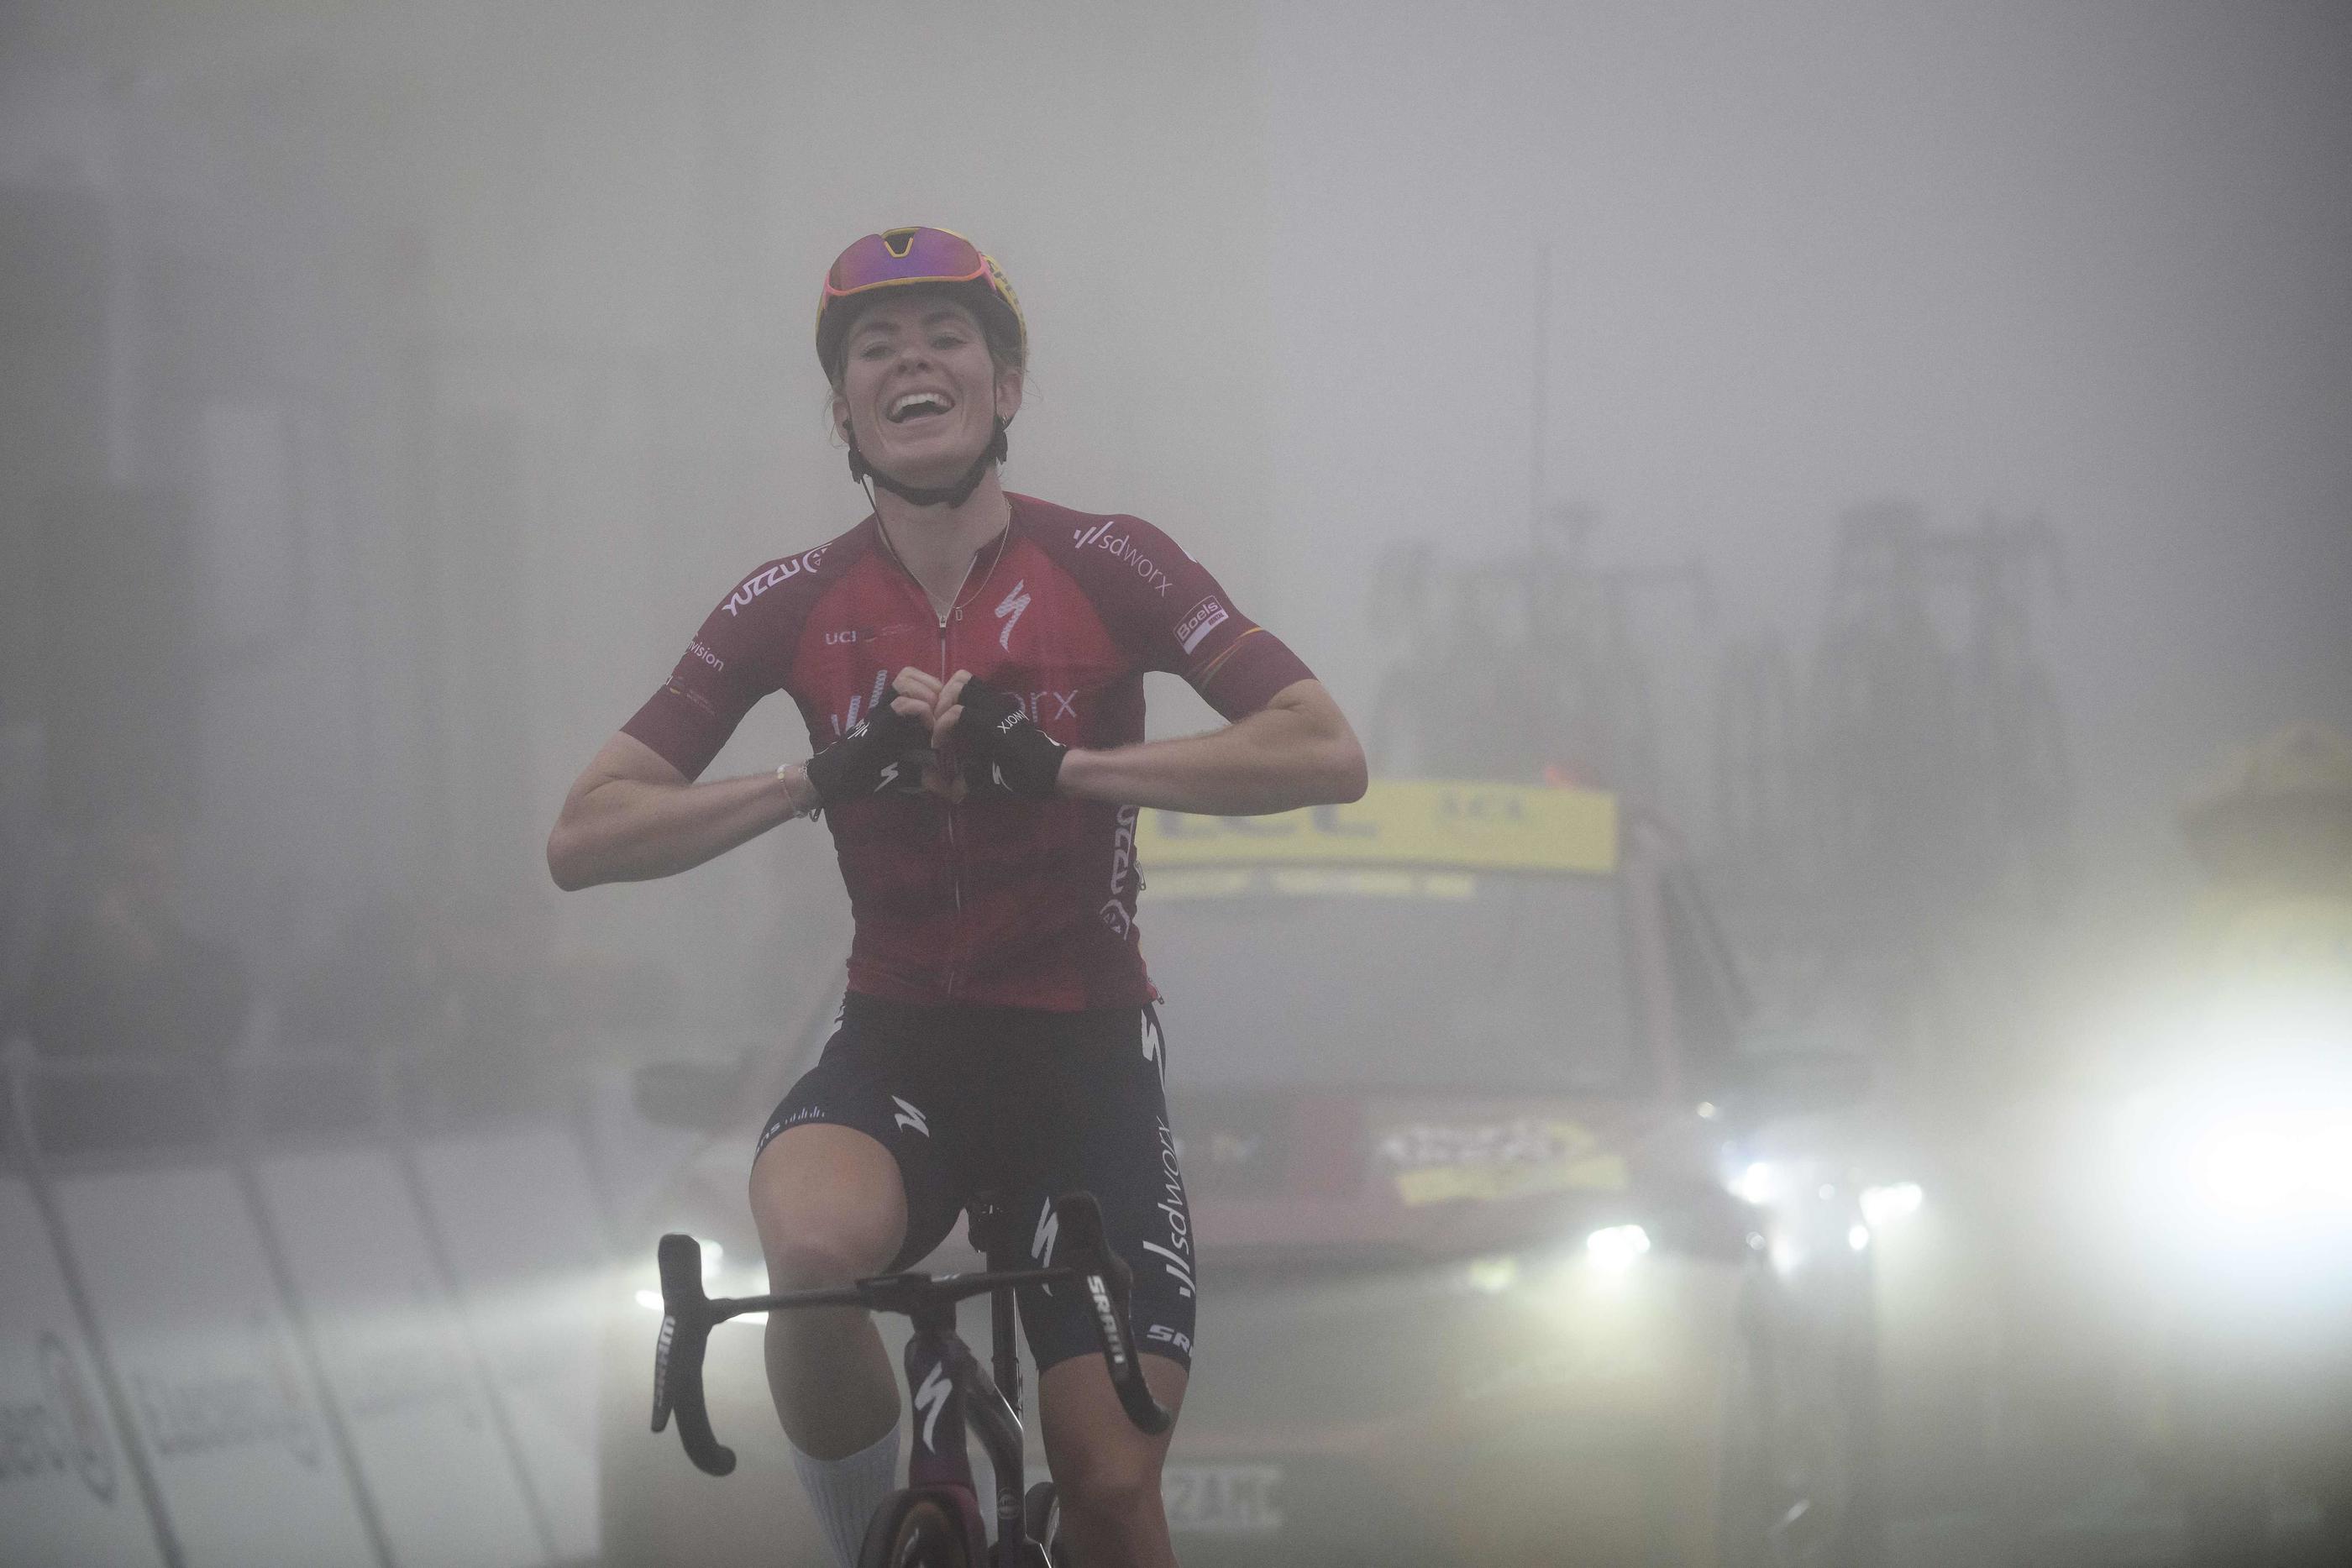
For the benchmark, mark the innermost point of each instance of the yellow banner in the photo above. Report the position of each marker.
(1494, 1184)
(1456, 826)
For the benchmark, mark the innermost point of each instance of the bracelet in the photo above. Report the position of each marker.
(797, 813)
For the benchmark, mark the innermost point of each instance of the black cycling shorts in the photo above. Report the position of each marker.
(1026, 1105)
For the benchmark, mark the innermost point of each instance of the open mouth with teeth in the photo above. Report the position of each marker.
(914, 406)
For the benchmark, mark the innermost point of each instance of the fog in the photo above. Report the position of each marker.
(2087, 263)
(474, 345)
(389, 391)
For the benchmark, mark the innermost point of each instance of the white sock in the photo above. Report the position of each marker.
(846, 1491)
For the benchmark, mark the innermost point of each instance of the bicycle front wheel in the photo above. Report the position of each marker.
(915, 1530)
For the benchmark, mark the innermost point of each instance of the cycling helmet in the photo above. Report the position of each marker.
(942, 261)
(917, 257)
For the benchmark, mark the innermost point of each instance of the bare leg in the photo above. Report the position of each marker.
(1105, 1472)
(831, 1209)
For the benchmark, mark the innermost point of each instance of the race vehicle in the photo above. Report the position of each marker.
(1507, 1250)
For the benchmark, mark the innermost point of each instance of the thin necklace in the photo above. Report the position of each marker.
(956, 608)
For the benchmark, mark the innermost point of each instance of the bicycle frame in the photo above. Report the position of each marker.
(950, 1393)
(953, 1395)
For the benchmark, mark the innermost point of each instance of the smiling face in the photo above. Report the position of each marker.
(919, 389)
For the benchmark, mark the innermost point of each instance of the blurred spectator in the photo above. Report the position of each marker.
(145, 1007)
(382, 984)
(119, 972)
(467, 1000)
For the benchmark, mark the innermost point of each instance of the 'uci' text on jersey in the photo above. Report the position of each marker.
(1006, 902)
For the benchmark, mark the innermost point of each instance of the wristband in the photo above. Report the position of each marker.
(799, 811)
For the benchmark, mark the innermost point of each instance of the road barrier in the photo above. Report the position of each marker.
(67, 1493)
(242, 1340)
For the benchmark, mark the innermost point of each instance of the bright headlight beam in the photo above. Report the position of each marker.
(1883, 1205)
(2249, 1150)
(1615, 1246)
(1756, 1184)
(2258, 1163)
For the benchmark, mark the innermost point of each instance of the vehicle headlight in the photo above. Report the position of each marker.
(1607, 1255)
(2271, 1142)
(2277, 1159)
(1613, 1249)
(1891, 1203)
(1757, 1182)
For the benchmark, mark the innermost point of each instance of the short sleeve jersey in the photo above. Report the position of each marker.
(1006, 902)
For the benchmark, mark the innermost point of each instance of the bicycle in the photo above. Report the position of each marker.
(934, 1520)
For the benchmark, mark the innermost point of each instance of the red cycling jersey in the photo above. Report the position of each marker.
(1006, 902)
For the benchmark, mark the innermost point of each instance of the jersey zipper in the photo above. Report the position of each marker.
(955, 839)
(955, 847)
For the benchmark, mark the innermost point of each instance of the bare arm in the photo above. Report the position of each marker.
(1297, 750)
(631, 817)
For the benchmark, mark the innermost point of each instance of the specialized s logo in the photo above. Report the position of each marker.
(930, 1399)
(1010, 613)
(1155, 1046)
(1041, 1244)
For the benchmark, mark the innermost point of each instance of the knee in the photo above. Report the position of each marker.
(812, 1247)
(820, 1258)
(1110, 1489)
(829, 1211)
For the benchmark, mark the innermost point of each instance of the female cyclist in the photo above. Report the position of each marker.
(970, 665)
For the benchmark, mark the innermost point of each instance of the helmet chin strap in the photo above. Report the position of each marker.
(954, 494)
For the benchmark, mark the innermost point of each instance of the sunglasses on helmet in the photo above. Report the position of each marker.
(937, 258)
(905, 256)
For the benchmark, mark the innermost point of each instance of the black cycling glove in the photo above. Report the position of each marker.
(883, 753)
(1005, 752)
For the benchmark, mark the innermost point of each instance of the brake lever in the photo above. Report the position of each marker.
(687, 1322)
(1109, 1281)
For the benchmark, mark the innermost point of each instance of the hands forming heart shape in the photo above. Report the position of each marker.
(919, 695)
(1003, 754)
(911, 747)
